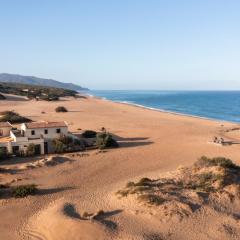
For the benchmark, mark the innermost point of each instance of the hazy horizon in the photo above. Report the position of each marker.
(127, 45)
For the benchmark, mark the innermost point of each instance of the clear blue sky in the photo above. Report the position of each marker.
(125, 44)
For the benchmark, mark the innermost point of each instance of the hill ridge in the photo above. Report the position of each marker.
(32, 80)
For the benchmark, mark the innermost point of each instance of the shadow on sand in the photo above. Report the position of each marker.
(108, 223)
(6, 192)
(132, 142)
(70, 211)
(17, 160)
(52, 190)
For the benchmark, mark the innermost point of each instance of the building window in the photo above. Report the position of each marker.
(1, 132)
(46, 131)
(58, 130)
(33, 132)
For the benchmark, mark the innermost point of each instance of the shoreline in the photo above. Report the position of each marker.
(152, 144)
(161, 110)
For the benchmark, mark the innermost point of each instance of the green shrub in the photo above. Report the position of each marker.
(61, 109)
(30, 150)
(4, 154)
(13, 117)
(105, 140)
(68, 144)
(24, 190)
(35, 92)
(2, 97)
(59, 147)
(65, 139)
(49, 98)
(89, 134)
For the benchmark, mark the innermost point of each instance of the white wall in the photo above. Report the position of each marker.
(23, 145)
(18, 139)
(6, 131)
(41, 132)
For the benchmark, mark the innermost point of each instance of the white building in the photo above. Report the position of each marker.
(40, 134)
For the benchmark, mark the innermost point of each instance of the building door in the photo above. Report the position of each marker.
(46, 147)
(15, 150)
(3, 150)
(37, 149)
(1, 132)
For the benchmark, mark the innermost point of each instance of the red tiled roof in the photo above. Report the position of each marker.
(5, 124)
(45, 124)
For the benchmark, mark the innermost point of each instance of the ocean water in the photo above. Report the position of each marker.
(219, 105)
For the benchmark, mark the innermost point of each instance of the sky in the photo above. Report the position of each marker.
(125, 44)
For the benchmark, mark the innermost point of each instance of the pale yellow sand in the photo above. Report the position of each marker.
(152, 143)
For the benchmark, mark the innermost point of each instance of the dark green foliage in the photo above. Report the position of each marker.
(217, 161)
(50, 97)
(61, 109)
(2, 97)
(105, 140)
(80, 96)
(68, 144)
(30, 150)
(33, 91)
(24, 190)
(59, 146)
(3, 153)
(89, 134)
(3, 186)
(208, 175)
(66, 139)
(13, 117)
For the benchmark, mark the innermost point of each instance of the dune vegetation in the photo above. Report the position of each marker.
(211, 177)
(36, 92)
(13, 117)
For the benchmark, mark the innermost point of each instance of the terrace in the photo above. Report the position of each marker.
(6, 139)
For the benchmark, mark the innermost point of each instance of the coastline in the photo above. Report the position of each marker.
(162, 110)
(152, 143)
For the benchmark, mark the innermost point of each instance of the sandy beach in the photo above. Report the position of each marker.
(152, 144)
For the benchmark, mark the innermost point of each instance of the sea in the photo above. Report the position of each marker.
(218, 105)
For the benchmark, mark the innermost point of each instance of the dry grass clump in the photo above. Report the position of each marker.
(151, 199)
(24, 190)
(217, 161)
(209, 175)
(19, 191)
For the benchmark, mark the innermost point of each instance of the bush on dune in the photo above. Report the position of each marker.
(217, 161)
(24, 190)
(68, 144)
(2, 97)
(3, 154)
(105, 140)
(59, 146)
(208, 175)
(13, 117)
(61, 109)
(89, 134)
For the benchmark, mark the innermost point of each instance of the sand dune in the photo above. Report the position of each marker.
(60, 221)
(152, 144)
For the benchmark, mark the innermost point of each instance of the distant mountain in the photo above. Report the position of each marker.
(15, 78)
